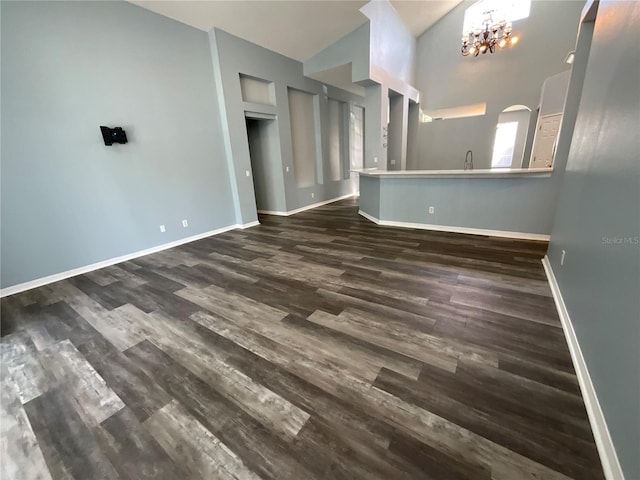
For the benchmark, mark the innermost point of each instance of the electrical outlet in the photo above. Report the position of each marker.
(247, 173)
(562, 257)
(313, 195)
(375, 159)
(185, 224)
(162, 229)
(432, 210)
(393, 162)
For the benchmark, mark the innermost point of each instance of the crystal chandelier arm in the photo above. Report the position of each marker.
(483, 39)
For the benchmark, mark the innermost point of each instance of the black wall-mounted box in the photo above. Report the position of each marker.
(113, 135)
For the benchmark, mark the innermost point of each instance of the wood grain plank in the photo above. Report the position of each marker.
(94, 399)
(68, 444)
(262, 451)
(119, 325)
(415, 421)
(132, 450)
(557, 451)
(312, 346)
(136, 390)
(231, 305)
(191, 444)
(345, 323)
(20, 453)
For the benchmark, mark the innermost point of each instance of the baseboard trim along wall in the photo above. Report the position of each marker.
(469, 231)
(308, 207)
(369, 217)
(608, 457)
(255, 223)
(56, 277)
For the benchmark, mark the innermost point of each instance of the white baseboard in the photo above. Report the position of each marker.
(369, 217)
(606, 449)
(249, 225)
(308, 207)
(39, 282)
(469, 231)
(275, 212)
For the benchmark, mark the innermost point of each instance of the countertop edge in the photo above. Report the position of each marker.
(484, 173)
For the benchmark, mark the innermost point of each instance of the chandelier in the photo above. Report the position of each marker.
(485, 39)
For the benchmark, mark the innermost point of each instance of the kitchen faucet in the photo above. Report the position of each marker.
(468, 160)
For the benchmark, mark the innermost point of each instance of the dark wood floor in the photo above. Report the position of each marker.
(314, 346)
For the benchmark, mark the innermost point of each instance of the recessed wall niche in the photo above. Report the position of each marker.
(337, 144)
(394, 131)
(257, 90)
(304, 141)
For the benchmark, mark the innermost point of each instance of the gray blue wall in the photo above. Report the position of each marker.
(598, 225)
(392, 65)
(370, 196)
(353, 48)
(67, 199)
(265, 164)
(382, 54)
(513, 76)
(233, 56)
(393, 46)
(523, 205)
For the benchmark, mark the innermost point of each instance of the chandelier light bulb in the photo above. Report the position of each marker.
(486, 38)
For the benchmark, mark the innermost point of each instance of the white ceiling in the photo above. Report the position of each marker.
(297, 29)
(419, 15)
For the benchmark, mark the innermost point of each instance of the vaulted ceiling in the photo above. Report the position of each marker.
(297, 29)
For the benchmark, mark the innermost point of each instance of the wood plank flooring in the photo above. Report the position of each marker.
(316, 346)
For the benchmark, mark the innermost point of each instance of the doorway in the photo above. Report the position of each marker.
(413, 123)
(511, 137)
(544, 143)
(394, 131)
(264, 151)
(356, 137)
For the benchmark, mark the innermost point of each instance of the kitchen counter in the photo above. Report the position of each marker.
(486, 173)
